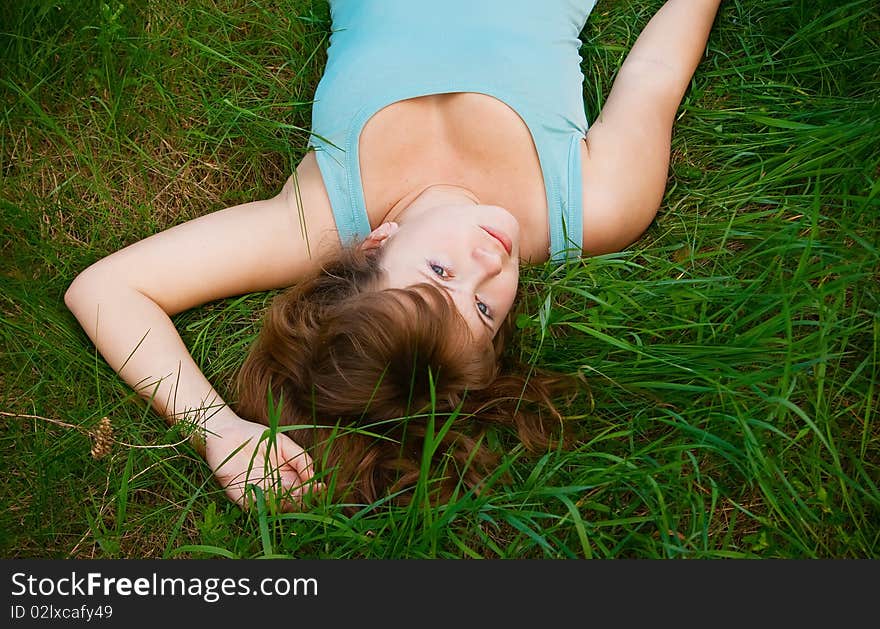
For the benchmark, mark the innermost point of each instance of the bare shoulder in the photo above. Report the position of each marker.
(255, 246)
(306, 206)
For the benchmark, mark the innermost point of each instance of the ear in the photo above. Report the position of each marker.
(378, 236)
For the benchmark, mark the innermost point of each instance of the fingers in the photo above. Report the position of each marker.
(280, 492)
(297, 478)
(285, 476)
(290, 456)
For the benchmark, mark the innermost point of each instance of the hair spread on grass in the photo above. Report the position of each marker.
(363, 370)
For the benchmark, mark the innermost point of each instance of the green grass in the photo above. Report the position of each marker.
(732, 352)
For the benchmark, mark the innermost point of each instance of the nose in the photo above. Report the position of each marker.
(489, 262)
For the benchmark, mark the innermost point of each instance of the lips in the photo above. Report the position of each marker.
(501, 237)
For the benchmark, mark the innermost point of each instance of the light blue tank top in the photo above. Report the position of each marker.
(524, 53)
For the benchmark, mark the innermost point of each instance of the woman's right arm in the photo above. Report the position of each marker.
(124, 303)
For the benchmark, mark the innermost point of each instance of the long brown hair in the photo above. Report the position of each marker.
(365, 372)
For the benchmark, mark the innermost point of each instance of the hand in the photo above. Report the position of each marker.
(241, 453)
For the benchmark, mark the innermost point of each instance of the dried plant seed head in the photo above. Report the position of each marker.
(102, 438)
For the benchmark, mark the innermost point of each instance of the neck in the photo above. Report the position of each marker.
(430, 196)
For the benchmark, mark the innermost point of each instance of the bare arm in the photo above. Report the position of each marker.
(124, 303)
(626, 151)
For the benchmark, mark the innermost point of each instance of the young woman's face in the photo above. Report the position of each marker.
(470, 251)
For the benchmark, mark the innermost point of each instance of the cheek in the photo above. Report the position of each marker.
(514, 285)
(510, 297)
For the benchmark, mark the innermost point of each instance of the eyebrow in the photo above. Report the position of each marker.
(436, 282)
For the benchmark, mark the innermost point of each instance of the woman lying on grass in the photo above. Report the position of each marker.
(450, 146)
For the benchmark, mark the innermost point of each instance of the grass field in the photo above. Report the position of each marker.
(732, 353)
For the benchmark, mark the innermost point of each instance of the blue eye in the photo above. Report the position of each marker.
(483, 308)
(438, 269)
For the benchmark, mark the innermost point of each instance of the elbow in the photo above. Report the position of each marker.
(616, 219)
(77, 292)
(83, 289)
(100, 284)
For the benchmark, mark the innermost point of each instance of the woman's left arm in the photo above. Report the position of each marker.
(626, 150)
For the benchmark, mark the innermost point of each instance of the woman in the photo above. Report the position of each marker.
(450, 145)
